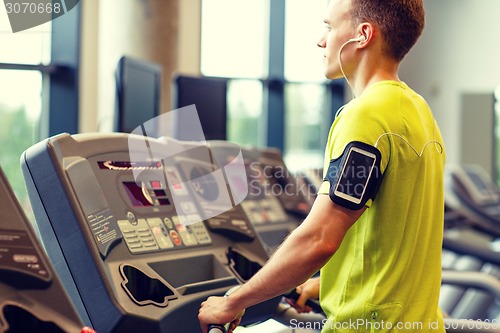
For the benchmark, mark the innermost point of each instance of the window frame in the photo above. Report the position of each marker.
(60, 87)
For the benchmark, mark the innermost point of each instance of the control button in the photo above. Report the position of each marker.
(188, 207)
(194, 219)
(154, 222)
(204, 240)
(156, 184)
(175, 219)
(187, 237)
(133, 240)
(161, 236)
(131, 218)
(215, 222)
(25, 258)
(175, 238)
(175, 182)
(201, 233)
(182, 220)
(239, 223)
(168, 222)
(127, 230)
(160, 233)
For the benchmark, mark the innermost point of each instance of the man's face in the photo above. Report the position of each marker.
(339, 29)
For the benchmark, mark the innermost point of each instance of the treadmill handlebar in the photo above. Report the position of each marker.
(473, 279)
(286, 314)
(312, 303)
(220, 328)
(216, 328)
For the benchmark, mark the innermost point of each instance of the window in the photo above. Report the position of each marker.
(307, 116)
(234, 38)
(303, 29)
(236, 47)
(36, 64)
(305, 125)
(244, 111)
(27, 47)
(20, 97)
(278, 95)
(20, 108)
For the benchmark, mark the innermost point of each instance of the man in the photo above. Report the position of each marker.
(375, 229)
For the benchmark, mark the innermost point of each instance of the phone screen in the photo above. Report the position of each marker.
(355, 174)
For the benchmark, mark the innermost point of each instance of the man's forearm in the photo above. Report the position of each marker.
(297, 259)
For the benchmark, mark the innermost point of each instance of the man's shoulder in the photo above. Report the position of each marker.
(384, 101)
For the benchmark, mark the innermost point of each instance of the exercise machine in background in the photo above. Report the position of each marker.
(32, 297)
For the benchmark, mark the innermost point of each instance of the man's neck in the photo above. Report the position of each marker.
(370, 72)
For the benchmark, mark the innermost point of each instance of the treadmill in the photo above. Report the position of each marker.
(470, 192)
(141, 230)
(472, 225)
(274, 205)
(32, 297)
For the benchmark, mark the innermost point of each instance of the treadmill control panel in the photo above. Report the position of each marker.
(17, 253)
(153, 213)
(163, 234)
(32, 297)
(272, 200)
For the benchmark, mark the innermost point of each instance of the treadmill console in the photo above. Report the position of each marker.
(286, 186)
(471, 194)
(477, 184)
(142, 230)
(32, 298)
(273, 205)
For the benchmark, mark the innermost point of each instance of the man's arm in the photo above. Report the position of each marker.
(302, 254)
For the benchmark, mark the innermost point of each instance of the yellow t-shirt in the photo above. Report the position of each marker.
(386, 275)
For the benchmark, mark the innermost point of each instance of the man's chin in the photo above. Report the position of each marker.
(333, 76)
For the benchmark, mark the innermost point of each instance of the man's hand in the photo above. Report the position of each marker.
(216, 310)
(308, 290)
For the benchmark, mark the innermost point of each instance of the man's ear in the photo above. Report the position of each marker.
(365, 32)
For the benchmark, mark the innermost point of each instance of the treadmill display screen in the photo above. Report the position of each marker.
(142, 196)
(120, 166)
(138, 195)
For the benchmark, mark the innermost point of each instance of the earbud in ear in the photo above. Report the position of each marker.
(358, 39)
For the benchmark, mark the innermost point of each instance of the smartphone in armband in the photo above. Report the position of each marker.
(355, 176)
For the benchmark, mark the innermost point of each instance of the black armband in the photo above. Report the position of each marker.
(355, 176)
